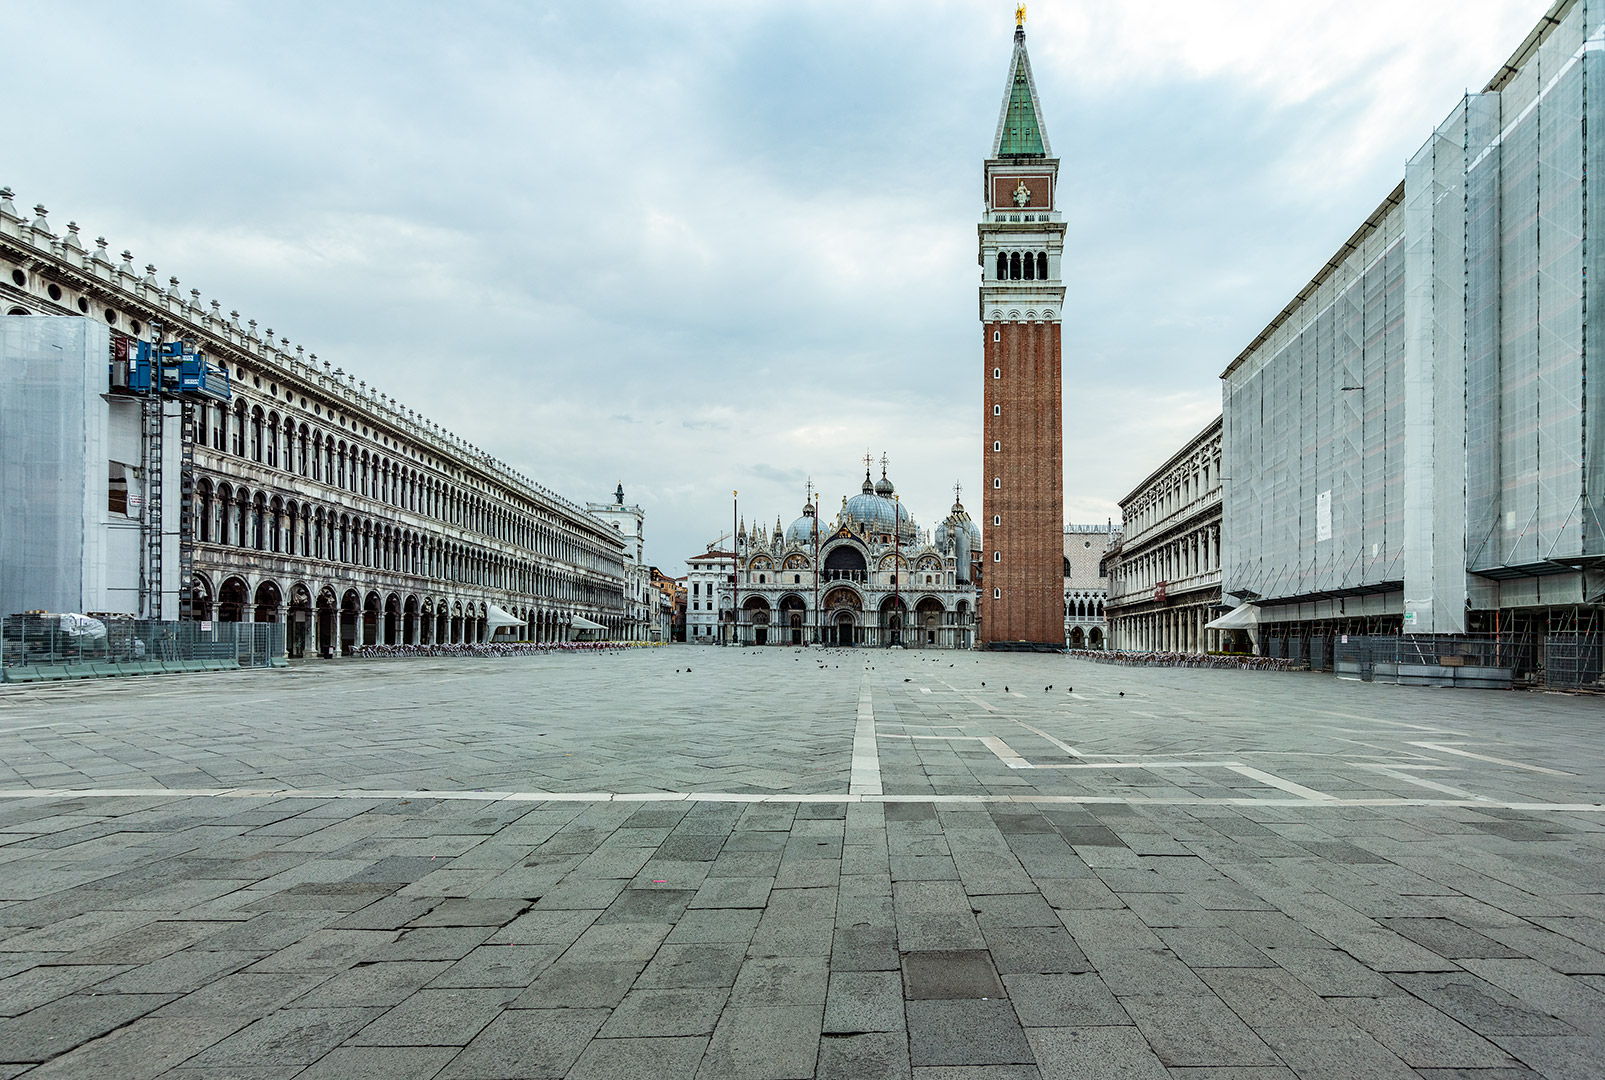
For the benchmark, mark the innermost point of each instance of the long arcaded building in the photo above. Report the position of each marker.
(316, 500)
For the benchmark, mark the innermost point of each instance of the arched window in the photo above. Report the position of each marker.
(1030, 267)
(1014, 266)
(273, 440)
(1042, 266)
(1003, 265)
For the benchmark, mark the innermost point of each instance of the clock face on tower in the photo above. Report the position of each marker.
(1022, 192)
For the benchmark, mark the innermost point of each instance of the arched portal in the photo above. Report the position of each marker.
(350, 620)
(409, 621)
(370, 619)
(793, 612)
(392, 619)
(843, 605)
(755, 614)
(268, 602)
(928, 621)
(298, 627)
(893, 616)
(232, 600)
(200, 603)
(328, 622)
(842, 628)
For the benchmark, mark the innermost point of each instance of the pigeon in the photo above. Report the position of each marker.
(1005, 689)
(983, 684)
(1069, 689)
(1122, 693)
(1045, 689)
(907, 680)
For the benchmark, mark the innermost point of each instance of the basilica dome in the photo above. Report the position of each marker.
(802, 530)
(875, 512)
(874, 509)
(974, 531)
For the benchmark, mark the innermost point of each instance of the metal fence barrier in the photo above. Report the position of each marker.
(1434, 659)
(43, 645)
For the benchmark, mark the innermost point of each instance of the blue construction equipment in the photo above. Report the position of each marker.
(170, 369)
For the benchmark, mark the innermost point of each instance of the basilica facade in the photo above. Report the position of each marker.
(870, 576)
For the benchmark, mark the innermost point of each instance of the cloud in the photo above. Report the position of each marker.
(709, 245)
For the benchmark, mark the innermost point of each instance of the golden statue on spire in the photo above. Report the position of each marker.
(1019, 17)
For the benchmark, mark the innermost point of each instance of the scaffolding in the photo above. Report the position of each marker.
(1406, 446)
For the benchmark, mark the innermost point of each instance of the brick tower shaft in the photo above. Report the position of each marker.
(1021, 306)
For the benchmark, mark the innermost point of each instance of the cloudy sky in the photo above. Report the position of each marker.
(697, 246)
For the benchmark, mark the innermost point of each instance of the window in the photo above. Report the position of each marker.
(996, 446)
(117, 488)
(997, 410)
(1014, 266)
(997, 556)
(796, 579)
(1042, 265)
(997, 519)
(997, 373)
(1003, 268)
(997, 481)
(997, 594)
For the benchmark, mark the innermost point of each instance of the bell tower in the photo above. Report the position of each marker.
(1021, 308)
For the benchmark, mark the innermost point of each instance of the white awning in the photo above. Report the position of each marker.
(498, 617)
(580, 622)
(1239, 618)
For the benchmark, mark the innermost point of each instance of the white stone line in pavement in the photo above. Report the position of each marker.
(1002, 750)
(1060, 743)
(1277, 782)
(751, 797)
(866, 774)
(1442, 749)
(1418, 781)
(1005, 753)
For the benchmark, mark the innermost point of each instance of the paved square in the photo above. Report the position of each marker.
(790, 863)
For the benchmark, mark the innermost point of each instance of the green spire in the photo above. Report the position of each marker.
(1022, 134)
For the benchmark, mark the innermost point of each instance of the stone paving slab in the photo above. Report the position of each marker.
(798, 864)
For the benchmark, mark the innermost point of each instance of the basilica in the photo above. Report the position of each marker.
(871, 576)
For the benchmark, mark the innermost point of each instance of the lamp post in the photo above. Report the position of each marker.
(897, 567)
(817, 631)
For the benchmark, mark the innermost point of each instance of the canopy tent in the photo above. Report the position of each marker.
(582, 629)
(1242, 617)
(501, 619)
